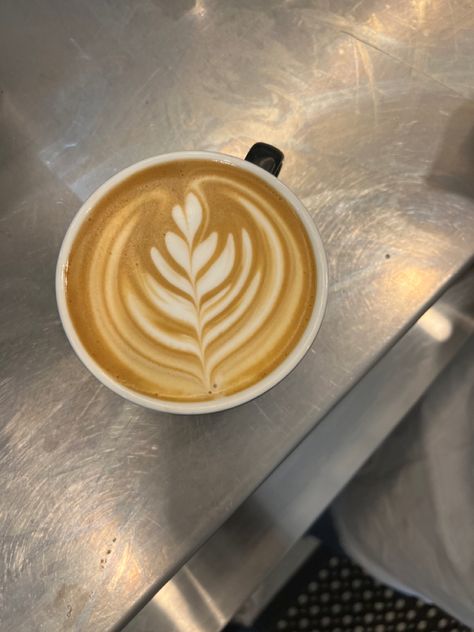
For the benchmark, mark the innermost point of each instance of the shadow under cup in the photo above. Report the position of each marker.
(186, 267)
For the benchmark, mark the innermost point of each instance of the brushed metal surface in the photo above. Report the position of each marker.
(238, 559)
(102, 501)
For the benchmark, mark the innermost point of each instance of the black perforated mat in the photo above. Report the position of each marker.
(331, 594)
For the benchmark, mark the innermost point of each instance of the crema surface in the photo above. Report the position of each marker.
(191, 280)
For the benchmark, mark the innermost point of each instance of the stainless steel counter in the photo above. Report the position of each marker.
(102, 501)
(242, 566)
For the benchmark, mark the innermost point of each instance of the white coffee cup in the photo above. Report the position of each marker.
(269, 380)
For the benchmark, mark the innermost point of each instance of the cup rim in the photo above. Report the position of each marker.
(247, 394)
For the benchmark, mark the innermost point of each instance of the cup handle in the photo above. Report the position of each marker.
(266, 156)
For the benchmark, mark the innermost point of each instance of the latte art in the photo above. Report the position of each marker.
(191, 281)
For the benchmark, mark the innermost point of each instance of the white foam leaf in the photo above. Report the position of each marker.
(179, 219)
(169, 273)
(203, 252)
(193, 213)
(178, 249)
(189, 219)
(170, 303)
(183, 343)
(219, 270)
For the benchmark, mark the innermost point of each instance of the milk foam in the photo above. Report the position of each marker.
(205, 305)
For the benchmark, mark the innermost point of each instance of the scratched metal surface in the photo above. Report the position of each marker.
(372, 104)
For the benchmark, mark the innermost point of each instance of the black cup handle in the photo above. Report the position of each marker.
(266, 156)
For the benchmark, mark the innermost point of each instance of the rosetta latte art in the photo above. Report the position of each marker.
(196, 303)
(194, 287)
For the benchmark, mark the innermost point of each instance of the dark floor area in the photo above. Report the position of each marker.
(331, 593)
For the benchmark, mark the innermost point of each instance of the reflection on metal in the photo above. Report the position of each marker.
(371, 102)
(199, 8)
(276, 579)
(248, 547)
(177, 605)
(436, 324)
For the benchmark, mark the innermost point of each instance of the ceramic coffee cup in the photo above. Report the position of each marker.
(264, 162)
